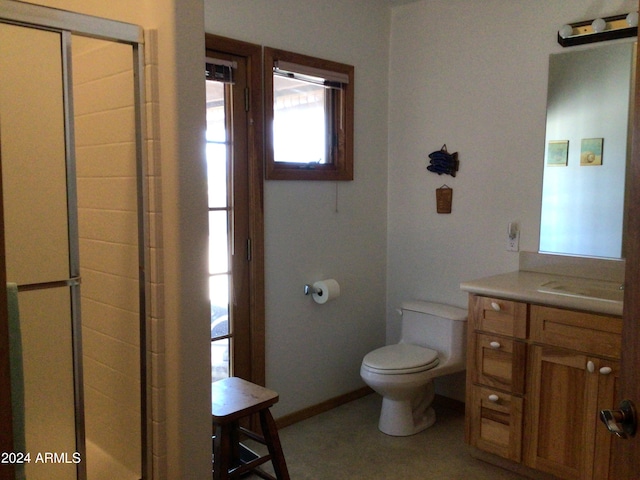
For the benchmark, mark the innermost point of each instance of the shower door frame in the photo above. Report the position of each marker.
(67, 24)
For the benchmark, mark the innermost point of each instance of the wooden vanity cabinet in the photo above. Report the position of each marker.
(496, 375)
(572, 373)
(536, 378)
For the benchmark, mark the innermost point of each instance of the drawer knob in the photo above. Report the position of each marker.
(495, 306)
(591, 367)
(493, 398)
(605, 370)
(495, 345)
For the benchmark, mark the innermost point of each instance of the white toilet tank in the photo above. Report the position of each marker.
(437, 326)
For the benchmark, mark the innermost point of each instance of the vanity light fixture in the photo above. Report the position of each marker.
(599, 30)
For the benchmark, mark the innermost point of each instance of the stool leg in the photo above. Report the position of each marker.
(225, 450)
(270, 433)
(220, 457)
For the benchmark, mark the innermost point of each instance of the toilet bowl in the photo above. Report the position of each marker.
(431, 346)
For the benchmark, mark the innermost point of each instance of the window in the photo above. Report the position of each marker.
(309, 117)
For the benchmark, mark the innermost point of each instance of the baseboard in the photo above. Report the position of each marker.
(295, 417)
(325, 406)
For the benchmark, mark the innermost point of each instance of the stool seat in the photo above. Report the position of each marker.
(233, 399)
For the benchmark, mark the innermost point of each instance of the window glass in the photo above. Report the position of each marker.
(218, 242)
(217, 174)
(309, 117)
(218, 153)
(298, 121)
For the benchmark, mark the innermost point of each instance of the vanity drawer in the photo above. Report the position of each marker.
(496, 315)
(584, 332)
(499, 362)
(494, 420)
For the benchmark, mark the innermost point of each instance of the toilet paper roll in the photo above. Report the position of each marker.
(326, 290)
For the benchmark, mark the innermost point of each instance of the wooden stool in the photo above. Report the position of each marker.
(233, 399)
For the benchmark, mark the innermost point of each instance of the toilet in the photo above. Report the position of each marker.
(431, 345)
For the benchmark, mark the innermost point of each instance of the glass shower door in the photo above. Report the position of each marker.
(72, 203)
(37, 240)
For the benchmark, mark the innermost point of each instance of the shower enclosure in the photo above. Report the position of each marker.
(71, 158)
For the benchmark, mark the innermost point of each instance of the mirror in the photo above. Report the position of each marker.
(586, 147)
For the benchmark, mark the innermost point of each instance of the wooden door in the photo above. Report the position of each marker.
(626, 462)
(245, 330)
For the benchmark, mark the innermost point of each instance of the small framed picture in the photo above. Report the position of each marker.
(557, 153)
(591, 152)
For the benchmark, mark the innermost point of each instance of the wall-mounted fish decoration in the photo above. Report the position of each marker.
(442, 161)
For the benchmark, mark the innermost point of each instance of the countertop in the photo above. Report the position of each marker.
(524, 286)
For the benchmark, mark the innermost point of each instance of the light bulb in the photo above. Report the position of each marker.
(632, 19)
(598, 25)
(565, 31)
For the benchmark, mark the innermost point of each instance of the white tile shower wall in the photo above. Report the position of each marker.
(107, 204)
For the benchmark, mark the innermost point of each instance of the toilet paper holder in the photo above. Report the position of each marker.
(323, 291)
(310, 290)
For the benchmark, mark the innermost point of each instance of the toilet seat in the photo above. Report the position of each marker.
(399, 359)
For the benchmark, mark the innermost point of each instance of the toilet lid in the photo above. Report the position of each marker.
(401, 358)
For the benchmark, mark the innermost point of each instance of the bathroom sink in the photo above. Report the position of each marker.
(585, 288)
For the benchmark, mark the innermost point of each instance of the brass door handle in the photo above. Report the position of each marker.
(622, 422)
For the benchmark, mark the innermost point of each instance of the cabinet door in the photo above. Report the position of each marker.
(555, 429)
(565, 391)
(608, 373)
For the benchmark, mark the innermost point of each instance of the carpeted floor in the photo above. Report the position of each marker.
(345, 444)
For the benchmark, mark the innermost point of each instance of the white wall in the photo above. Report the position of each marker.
(182, 389)
(473, 76)
(313, 352)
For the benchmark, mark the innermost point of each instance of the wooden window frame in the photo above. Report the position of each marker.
(341, 165)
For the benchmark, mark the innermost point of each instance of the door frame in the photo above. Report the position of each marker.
(626, 453)
(255, 151)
